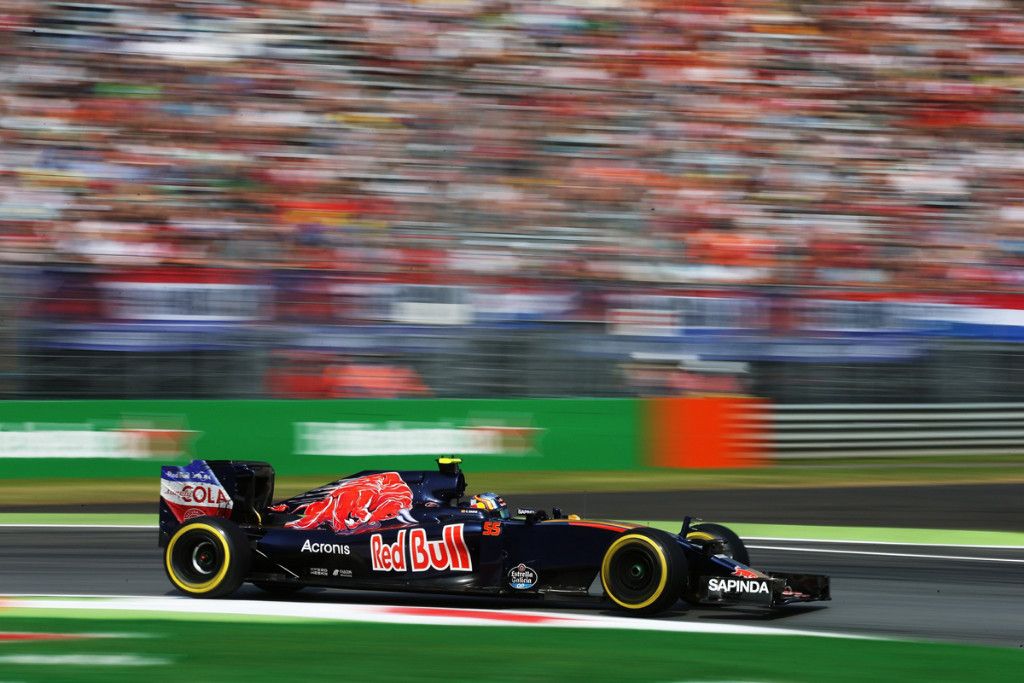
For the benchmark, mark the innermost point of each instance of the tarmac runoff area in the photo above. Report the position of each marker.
(888, 580)
(881, 589)
(980, 507)
(291, 611)
(983, 507)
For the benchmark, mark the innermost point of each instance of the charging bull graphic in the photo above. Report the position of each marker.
(358, 504)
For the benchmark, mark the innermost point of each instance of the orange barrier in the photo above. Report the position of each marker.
(704, 432)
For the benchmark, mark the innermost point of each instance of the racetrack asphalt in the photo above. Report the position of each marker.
(892, 594)
(975, 599)
(986, 507)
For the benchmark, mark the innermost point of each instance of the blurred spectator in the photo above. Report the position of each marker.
(536, 152)
(875, 144)
(662, 377)
(309, 374)
(298, 375)
(374, 380)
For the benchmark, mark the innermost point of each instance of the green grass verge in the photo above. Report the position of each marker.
(921, 471)
(207, 651)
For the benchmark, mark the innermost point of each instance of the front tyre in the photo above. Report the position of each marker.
(719, 540)
(644, 572)
(715, 540)
(207, 558)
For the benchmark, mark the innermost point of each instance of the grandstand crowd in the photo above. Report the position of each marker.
(869, 144)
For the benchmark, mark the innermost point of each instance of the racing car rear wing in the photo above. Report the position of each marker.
(239, 490)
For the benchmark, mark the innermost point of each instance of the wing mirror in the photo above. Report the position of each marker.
(532, 516)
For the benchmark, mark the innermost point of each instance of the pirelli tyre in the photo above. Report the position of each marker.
(716, 540)
(719, 540)
(207, 558)
(644, 572)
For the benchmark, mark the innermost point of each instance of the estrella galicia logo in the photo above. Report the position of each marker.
(522, 577)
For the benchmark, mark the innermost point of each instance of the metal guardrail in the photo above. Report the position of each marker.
(886, 430)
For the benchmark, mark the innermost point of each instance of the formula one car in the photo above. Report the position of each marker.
(412, 531)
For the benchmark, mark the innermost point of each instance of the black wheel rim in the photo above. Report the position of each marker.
(634, 573)
(204, 558)
(197, 557)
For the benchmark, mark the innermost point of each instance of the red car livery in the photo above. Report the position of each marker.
(194, 491)
(450, 552)
(359, 503)
(414, 531)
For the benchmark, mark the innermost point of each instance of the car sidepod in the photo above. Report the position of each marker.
(452, 556)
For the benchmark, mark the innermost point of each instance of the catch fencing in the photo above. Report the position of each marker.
(133, 333)
(793, 432)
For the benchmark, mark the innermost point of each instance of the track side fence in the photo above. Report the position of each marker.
(794, 432)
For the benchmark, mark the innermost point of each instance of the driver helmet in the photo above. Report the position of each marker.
(492, 504)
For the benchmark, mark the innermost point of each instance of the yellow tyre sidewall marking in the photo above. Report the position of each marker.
(606, 564)
(699, 536)
(206, 586)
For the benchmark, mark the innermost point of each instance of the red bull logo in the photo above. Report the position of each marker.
(388, 557)
(745, 573)
(449, 552)
(356, 504)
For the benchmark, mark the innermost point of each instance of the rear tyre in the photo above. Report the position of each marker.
(717, 540)
(207, 558)
(276, 588)
(644, 572)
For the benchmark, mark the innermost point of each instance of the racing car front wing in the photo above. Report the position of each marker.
(775, 590)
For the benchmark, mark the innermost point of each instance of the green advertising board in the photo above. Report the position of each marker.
(133, 438)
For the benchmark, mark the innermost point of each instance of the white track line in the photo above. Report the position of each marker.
(92, 660)
(241, 610)
(88, 596)
(865, 542)
(834, 551)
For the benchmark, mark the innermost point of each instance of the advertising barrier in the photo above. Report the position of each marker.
(704, 432)
(105, 439)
